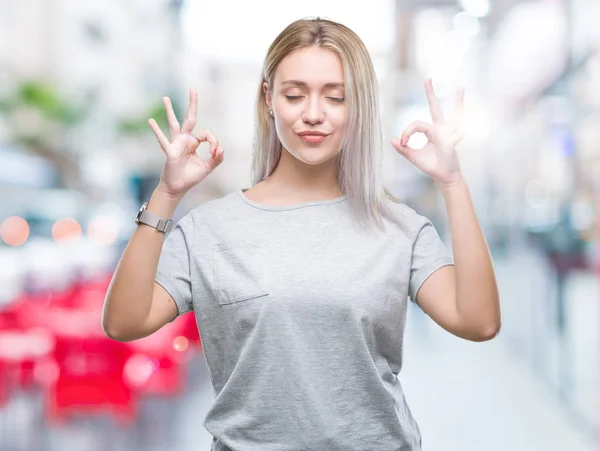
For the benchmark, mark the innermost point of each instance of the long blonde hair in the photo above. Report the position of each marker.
(359, 171)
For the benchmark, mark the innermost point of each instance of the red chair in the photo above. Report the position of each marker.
(22, 346)
(90, 368)
(90, 380)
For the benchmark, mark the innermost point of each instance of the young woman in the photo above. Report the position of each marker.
(300, 283)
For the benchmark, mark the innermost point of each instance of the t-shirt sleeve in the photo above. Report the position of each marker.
(174, 271)
(428, 255)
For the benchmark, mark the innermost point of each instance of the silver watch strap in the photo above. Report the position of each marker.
(161, 224)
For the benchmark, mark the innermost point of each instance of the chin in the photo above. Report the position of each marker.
(314, 157)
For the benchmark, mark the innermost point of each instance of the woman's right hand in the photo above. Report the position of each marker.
(184, 168)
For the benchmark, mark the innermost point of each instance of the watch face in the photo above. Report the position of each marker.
(142, 208)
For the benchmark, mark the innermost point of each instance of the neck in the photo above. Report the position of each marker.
(311, 181)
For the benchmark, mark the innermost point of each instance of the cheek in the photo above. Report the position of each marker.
(286, 117)
(338, 115)
(284, 125)
(338, 119)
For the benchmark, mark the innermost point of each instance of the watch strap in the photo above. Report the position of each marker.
(161, 224)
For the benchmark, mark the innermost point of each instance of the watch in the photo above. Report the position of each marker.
(150, 219)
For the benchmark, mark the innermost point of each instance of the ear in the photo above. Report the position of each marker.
(267, 94)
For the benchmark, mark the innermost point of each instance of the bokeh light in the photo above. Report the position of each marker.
(14, 231)
(102, 231)
(180, 343)
(66, 229)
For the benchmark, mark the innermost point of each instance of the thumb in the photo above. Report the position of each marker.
(405, 151)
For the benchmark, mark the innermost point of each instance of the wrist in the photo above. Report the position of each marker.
(456, 183)
(163, 204)
(163, 191)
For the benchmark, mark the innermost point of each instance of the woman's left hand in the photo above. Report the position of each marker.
(438, 157)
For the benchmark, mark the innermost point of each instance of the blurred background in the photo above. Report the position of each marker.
(78, 82)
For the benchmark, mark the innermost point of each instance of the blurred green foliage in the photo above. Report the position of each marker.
(47, 100)
(59, 112)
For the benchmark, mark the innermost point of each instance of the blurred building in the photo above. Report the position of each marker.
(531, 157)
(117, 59)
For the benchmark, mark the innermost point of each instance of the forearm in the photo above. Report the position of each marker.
(477, 298)
(129, 296)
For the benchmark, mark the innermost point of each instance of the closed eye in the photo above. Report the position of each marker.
(333, 99)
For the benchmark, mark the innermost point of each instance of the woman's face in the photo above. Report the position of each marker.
(308, 103)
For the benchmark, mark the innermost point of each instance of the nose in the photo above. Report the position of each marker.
(314, 112)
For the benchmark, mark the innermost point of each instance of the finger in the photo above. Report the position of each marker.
(217, 158)
(173, 123)
(218, 154)
(458, 106)
(434, 105)
(404, 150)
(207, 135)
(458, 136)
(414, 127)
(162, 139)
(215, 152)
(190, 120)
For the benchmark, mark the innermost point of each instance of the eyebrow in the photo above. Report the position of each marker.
(303, 84)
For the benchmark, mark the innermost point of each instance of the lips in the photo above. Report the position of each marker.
(312, 133)
(312, 137)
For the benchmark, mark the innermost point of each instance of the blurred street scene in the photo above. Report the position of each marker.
(78, 82)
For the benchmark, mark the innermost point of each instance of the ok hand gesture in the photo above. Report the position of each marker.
(184, 168)
(438, 157)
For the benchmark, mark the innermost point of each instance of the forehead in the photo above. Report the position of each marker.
(314, 66)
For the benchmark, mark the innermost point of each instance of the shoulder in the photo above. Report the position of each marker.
(411, 220)
(211, 213)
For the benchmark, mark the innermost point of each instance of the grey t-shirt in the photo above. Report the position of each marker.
(301, 314)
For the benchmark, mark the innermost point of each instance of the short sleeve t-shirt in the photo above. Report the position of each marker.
(302, 314)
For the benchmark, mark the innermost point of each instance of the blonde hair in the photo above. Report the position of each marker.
(359, 170)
